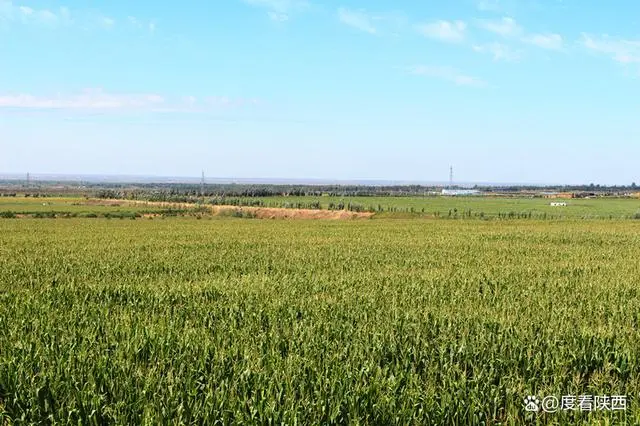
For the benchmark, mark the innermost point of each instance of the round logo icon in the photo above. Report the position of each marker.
(532, 404)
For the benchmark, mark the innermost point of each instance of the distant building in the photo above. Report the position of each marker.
(455, 192)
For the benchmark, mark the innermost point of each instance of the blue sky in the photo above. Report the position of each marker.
(541, 91)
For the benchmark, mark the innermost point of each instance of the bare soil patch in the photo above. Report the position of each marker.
(278, 213)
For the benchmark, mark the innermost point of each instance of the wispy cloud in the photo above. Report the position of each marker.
(385, 23)
(623, 51)
(448, 74)
(12, 13)
(89, 99)
(499, 51)
(505, 27)
(278, 17)
(280, 10)
(546, 41)
(20, 14)
(449, 31)
(108, 22)
(141, 24)
(357, 19)
(99, 100)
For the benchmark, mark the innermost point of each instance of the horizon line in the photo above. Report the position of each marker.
(147, 179)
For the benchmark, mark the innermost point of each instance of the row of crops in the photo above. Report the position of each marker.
(390, 213)
(100, 213)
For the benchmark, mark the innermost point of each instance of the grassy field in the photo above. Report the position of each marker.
(490, 206)
(69, 205)
(385, 207)
(315, 322)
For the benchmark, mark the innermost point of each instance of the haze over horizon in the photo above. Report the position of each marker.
(508, 91)
(160, 179)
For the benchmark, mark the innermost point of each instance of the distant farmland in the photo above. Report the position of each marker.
(490, 206)
(382, 207)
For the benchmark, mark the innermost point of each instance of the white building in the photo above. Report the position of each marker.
(454, 192)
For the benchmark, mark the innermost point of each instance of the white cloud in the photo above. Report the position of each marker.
(65, 13)
(499, 51)
(387, 23)
(620, 50)
(88, 99)
(13, 13)
(279, 5)
(48, 16)
(447, 73)
(99, 100)
(20, 14)
(279, 10)
(508, 28)
(505, 27)
(357, 19)
(546, 41)
(453, 32)
(141, 24)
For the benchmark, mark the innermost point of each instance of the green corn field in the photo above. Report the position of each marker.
(364, 322)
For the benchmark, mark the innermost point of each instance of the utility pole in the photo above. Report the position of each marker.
(202, 185)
